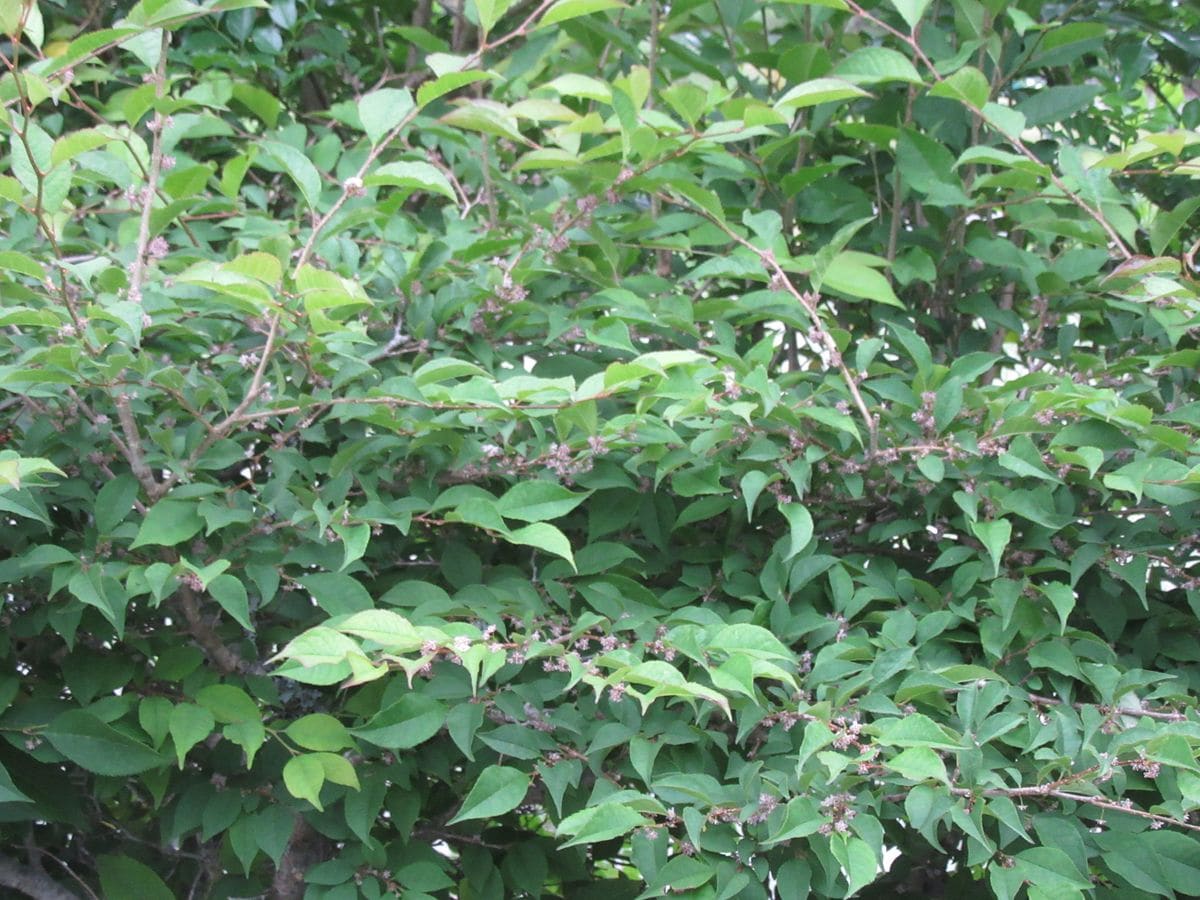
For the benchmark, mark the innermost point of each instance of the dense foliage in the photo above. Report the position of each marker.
(496, 449)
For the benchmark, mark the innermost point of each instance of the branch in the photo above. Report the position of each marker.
(132, 448)
(31, 882)
(216, 649)
(306, 847)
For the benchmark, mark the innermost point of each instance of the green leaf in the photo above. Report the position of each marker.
(536, 501)
(417, 176)
(1049, 867)
(8, 791)
(114, 500)
(499, 789)
(104, 594)
(337, 594)
(1154, 861)
(303, 776)
(1172, 750)
(168, 523)
(390, 630)
(338, 770)
(188, 725)
(382, 110)
(91, 744)
(12, 261)
(319, 731)
(411, 720)
(800, 525)
(801, 818)
(1168, 224)
(298, 167)
(123, 878)
(355, 539)
(995, 537)
(1062, 598)
(752, 485)
(229, 591)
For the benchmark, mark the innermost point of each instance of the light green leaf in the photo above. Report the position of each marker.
(919, 764)
(751, 640)
(849, 274)
(319, 731)
(544, 536)
(571, 9)
(382, 110)
(817, 91)
(910, 10)
(968, 85)
(419, 176)
(338, 769)
(444, 84)
(303, 776)
(599, 823)
(489, 12)
(873, 65)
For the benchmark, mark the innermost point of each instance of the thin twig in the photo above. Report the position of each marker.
(1015, 140)
(1161, 714)
(137, 273)
(808, 301)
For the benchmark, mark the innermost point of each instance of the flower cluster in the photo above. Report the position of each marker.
(837, 807)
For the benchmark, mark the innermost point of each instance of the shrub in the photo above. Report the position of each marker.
(586, 450)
